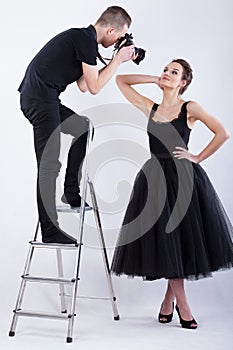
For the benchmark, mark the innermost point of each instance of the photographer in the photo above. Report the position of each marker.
(68, 57)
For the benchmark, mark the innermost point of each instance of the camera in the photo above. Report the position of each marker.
(129, 41)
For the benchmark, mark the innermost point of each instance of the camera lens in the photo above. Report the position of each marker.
(141, 55)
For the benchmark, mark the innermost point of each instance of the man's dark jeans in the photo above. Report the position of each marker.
(48, 120)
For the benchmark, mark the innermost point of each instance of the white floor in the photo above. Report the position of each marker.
(138, 303)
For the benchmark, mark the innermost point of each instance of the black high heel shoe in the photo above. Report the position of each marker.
(168, 317)
(186, 324)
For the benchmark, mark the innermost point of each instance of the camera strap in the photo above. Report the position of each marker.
(102, 59)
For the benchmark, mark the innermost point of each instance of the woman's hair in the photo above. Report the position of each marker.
(187, 73)
(115, 16)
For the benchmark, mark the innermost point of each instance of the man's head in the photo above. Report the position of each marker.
(112, 24)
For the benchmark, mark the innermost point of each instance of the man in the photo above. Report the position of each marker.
(68, 57)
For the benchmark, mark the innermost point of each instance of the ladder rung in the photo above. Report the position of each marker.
(88, 297)
(54, 245)
(40, 315)
(68, 209)
(48, 279)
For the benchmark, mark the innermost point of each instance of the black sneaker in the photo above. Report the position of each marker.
(58, 237)
(73, 199)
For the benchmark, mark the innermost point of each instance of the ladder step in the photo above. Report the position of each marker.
(54, 245)
(41, 315)
(91, 297)
(58, 280)
(69, 209)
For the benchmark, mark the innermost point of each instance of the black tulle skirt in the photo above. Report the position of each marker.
(175, 225)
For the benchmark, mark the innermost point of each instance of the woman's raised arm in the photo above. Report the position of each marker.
(125, 83)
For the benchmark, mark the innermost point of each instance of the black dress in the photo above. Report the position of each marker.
(175, 225)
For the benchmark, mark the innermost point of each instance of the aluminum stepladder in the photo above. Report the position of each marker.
(60, 280)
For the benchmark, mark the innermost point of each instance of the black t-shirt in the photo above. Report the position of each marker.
(59, 63)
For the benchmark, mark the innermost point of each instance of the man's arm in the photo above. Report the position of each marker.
(82, 84)
(94, 80)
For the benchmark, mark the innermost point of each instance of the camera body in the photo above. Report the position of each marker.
(129, 41)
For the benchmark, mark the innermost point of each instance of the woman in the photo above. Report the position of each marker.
(191, 235)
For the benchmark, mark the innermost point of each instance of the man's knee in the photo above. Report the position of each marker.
(76, 126)
(49, 167)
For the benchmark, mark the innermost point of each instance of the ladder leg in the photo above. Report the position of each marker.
(104, 251)
(22, 286)
(69, 338)
(61, 286)
(71, 316)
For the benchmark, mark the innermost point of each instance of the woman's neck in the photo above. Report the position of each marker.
(170, 99)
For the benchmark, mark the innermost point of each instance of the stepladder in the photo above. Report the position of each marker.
(67, 310)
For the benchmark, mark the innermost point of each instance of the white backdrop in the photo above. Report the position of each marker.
(199, 31)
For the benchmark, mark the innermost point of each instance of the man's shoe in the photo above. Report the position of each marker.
(58, 237)
(73, 199)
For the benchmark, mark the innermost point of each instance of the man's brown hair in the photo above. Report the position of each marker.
(114, 16)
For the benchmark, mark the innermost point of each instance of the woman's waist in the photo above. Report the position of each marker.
(165, 155)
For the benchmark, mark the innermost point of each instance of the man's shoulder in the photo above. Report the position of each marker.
(84, 32)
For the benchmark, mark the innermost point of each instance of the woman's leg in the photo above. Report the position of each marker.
(177, 286)
(167, 304)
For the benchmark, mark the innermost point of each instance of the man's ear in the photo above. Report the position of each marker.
(110, 30)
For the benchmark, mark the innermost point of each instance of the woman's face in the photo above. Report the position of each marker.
(172, 76)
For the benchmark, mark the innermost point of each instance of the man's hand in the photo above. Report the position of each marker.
(125, 54)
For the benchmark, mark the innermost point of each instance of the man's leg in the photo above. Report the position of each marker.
(77, 126)
(45, 119)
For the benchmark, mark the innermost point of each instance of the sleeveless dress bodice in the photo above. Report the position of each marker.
(165, 136)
